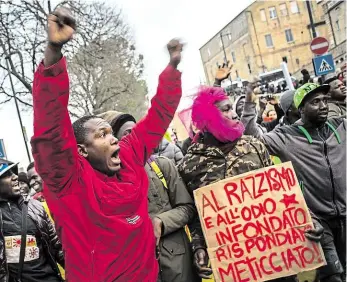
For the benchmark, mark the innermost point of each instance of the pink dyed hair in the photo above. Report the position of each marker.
(208, 118)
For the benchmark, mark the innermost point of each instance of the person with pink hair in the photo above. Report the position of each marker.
(220, 150)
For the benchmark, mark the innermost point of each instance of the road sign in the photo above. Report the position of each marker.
(319, 45)
(2, 149)
(323, 64)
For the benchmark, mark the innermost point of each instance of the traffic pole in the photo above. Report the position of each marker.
(287, 76)
(314, 33)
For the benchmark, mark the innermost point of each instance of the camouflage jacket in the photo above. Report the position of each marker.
(205, 164)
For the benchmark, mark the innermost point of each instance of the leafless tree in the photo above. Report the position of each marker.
(103, 64)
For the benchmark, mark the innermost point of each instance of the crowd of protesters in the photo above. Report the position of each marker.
(109, 198)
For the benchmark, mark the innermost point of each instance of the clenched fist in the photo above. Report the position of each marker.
(175, 47)
(61, 26)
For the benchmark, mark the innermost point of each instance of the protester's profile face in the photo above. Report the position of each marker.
(315, 109)
(24, 188)
(35, 181)
(9, 185)
(239, 107)
(124, 130)
(101, 148)
(337, 90)
(225, 107)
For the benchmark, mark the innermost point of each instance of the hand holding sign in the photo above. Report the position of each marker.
(201, 263)
(316, 233)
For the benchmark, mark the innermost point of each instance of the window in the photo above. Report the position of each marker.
(283, 9)
(262, 15)
(273, 13)
(289, 35)
(268, 40)
(294, 7)
(233, 56)
(338, 25)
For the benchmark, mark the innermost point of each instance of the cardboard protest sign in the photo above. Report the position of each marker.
(254, 225)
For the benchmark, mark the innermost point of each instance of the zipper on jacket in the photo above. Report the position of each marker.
(330, 171)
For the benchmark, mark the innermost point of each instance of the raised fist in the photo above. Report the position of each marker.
(175, 47)
(61, 26)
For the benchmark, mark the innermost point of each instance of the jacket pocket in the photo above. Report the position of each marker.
(173, 248)
(172, 260)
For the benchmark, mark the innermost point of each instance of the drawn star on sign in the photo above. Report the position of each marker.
(289, 199)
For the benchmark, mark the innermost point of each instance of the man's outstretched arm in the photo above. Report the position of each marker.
(53, 144)
(148, 133)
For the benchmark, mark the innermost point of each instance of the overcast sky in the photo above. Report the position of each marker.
(154, 23)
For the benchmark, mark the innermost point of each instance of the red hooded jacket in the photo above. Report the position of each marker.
(103, 221)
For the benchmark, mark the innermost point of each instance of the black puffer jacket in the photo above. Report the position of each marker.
(50, 241)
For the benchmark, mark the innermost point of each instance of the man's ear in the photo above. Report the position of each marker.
(82, 150)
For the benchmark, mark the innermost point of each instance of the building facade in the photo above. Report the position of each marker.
(262, 36)
(335, 16)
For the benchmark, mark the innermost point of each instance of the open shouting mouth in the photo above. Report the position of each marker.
(115, 157)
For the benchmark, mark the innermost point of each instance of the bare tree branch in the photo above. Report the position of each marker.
(103, 64)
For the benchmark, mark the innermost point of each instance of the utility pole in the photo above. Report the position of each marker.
(314, 33)
(225, 56)
(16, 102)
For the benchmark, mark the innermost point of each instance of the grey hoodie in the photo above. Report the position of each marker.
(318, 157)
(169, 150)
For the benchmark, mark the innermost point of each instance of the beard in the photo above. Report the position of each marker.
(224, 129)
(208, 118)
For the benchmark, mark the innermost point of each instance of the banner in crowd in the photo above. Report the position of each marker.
(254, 225)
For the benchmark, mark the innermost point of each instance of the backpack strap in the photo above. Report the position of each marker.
(337, 135)
(153, 164)
(23, 240)
(309, 138)
(307, 135)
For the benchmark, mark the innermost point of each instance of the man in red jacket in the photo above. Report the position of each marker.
(96, 186)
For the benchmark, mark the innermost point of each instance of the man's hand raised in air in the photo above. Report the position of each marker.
(175, 47)
(61, 27)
